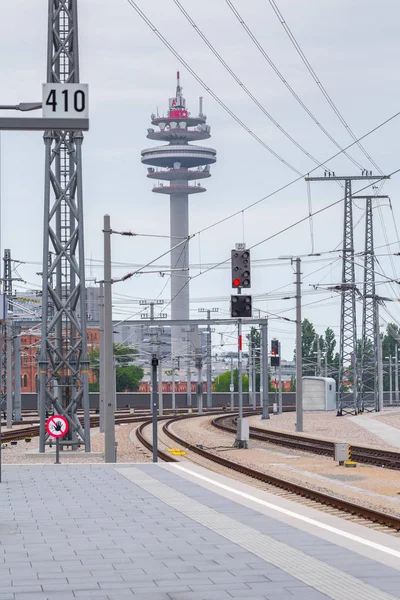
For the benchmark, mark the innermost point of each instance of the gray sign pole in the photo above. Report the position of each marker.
(299, 356)
(264, 358)
(109, 422)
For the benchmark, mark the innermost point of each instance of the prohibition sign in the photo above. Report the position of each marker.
(57, 426)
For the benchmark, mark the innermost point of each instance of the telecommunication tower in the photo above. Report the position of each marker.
(179, 164)
(63, 361)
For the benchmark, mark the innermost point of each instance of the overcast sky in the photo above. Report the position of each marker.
(353, 47)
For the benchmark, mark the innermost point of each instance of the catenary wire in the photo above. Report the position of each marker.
(319, 84)
(208, 89)
(287, 84)
(242, 85)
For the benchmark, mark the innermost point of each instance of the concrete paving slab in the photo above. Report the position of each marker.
(112, 539)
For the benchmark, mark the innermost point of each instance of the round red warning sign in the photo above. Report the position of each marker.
(57, 426)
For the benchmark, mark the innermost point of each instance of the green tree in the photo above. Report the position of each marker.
(330, 345)
(128, 378)
(94, 357)
(223, 382)
(307, 345)
(389, 343)
(124, 354)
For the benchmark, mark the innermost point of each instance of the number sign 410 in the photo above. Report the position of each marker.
(66, 100)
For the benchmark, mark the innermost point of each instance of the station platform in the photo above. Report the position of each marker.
(178, 532)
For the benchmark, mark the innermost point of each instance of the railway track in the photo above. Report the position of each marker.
(121, 417)
(362, 454)
(333, 505)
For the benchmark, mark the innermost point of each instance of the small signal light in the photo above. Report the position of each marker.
(236, 282)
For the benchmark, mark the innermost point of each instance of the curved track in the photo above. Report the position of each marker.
(362, 454)
(388, 521)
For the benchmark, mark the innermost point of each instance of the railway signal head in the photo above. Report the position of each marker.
(241, 306)
(275, 358)
(240, 263)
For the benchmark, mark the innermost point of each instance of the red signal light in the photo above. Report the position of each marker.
(236, 282)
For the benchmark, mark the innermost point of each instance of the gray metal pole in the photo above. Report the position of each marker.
(17, 373)
(264, 359)
(232, 388)
(109, 418)
(209, 364)
(9, 376)
(188, 384)
(250, 371)
(154, 364)
(85, 363)
(102, 367)
(396, 376)
(199, 387)
(318, 358)
(390, 381)
(253, 356)
(240, 368)
(261, 372)
(153, 347)
(280, 381)
(115, 384)
(160, 390)
(379, 405)
(173, 386)
(299, 357)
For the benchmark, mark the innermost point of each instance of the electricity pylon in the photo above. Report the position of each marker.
(348, 388)
(63, 361)
(369, 384)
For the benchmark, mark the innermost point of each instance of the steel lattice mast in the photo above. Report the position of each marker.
(369, 358)
(63, 362)
(369, 379)
(7, 290)
(348, 388)
(348, 364)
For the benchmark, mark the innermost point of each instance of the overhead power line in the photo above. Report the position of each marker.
(320, 85)
(287, 84)
(242, 85)
(208, 89)
(290, 183)
(238, 120)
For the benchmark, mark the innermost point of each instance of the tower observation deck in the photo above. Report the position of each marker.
(184, 165)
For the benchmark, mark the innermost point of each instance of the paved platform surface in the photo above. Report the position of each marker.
(178, 532)
(385, 432)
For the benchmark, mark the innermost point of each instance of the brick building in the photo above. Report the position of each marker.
(29, 356)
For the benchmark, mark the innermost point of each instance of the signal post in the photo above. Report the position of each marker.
(241, 307)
